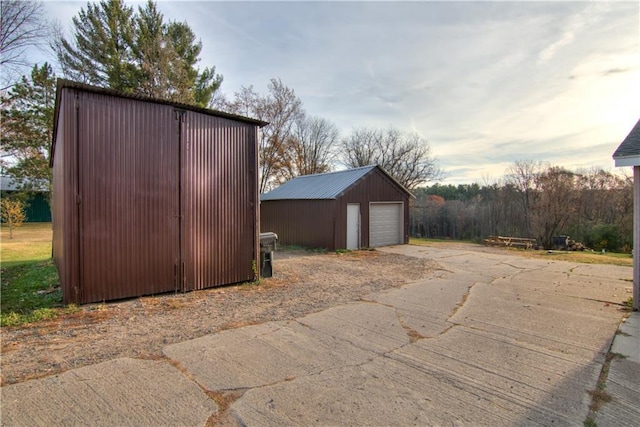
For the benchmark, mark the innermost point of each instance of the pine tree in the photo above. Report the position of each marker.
(27, 125)
(100, 52)
(138, 52)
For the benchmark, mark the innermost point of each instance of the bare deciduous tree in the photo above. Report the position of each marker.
(522, 175)
(282, 109)
(555, 204)
(405, 156)
(313, 146)
(22, 25)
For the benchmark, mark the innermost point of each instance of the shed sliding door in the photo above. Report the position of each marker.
(218, 201)
(128, 207)
(167, 199)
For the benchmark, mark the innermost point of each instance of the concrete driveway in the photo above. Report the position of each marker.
(489, 339)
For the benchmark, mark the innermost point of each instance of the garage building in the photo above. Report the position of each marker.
(350, 209)
(150, 196)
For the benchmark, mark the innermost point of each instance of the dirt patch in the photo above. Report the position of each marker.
(141, 327)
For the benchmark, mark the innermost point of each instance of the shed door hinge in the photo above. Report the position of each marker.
(180, 114)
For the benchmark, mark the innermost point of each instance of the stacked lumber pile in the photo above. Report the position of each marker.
(513, 242)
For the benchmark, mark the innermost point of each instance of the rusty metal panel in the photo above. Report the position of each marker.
(128, 169)
(219, 201)
(309, 223)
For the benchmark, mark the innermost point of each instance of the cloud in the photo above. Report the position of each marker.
(485, 83)
(615, 71)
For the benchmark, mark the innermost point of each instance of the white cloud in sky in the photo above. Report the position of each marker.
(486, 83)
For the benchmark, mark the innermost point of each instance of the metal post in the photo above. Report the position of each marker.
(636, 238)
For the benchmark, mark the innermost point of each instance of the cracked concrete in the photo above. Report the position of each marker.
(489, 339)
(115, 393)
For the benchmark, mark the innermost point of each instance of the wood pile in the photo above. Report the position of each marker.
(512, 242)
(566, 243)
(572, 245)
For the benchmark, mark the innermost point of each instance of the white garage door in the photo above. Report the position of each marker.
(385, 224)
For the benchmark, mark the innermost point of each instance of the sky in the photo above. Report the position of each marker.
(484, 83)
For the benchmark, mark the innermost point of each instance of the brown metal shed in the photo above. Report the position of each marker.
(351, 209)
(150, 196)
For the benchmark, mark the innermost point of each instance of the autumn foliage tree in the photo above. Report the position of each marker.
(282, 109)
(593, 206)
(12, 213)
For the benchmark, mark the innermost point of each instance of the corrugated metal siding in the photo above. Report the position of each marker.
(60, 197)
(219, 201)
(139, 200)
(318, 186)
(307, 223)
(376, 187)
(129, 198)
(386, 223)
(323, 223)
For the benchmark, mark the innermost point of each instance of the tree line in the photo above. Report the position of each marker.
(138, 51)
(533, 200)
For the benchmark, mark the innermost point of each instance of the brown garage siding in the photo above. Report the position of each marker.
(220, 201)
(374, 187)
(149, 196)
(307, 223)
(64, 220)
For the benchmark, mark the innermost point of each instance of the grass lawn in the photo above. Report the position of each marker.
(30, 289)
(31, 243)
(585, 257)
(28, 280)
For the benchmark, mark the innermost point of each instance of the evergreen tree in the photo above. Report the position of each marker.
(100, 52)
(27, 125)
(137, 52)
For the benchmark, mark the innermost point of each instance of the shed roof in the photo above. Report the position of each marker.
(628, 153)
(8, 183)
(323, 186)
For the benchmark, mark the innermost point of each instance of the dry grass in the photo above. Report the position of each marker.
(585, 257)
(224, 400)
(30, 243)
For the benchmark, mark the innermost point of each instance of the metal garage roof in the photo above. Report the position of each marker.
(319, 186)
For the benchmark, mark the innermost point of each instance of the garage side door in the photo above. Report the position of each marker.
(385, 224)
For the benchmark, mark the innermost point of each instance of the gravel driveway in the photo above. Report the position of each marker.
(303, 283)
